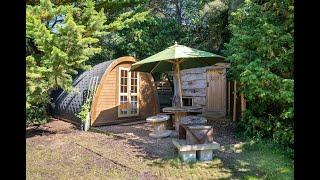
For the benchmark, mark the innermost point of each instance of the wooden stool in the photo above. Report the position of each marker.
(170, 124)
(159, 124)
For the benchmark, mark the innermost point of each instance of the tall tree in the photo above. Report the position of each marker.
(122, 16)
(215, 16)
(60, 39)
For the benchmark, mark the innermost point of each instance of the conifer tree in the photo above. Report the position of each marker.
(59, 39)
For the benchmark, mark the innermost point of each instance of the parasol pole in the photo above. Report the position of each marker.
(178, 78)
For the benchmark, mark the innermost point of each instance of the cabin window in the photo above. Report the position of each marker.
(123, 92)
(124, 81)
(128, 93)
(123, 105)
(187, 101)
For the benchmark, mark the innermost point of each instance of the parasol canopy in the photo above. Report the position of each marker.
(176, 58)
(163, 61)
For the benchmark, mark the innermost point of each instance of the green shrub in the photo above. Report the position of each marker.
(261, 55)
(259, 128)
(36, 115)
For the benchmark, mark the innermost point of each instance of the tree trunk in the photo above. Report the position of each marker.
(243, 103)
(234, 100)
(178, 10)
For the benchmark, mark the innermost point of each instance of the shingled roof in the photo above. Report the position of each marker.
(67, 105)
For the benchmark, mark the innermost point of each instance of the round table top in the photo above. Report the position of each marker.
(182, 109)
(158, 118)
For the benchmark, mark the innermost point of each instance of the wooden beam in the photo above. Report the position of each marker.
(180, 85)
(155, 67)
(171, 61)
(234, 100)
(180, 61)
(177, 85)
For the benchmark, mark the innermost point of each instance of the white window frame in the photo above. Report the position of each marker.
(128, 94)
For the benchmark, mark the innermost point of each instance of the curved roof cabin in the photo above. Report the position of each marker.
(120, 96)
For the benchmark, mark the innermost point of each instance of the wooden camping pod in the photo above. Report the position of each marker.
(120, 96)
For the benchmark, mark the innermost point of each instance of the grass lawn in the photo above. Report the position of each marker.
(261, 161)
(93, 155)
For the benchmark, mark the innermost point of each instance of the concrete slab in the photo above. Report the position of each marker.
(182, 145)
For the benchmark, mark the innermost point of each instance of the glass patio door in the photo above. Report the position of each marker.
(128, 93)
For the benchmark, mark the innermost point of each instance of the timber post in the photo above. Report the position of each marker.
(243, 103)
(178, 91)
(234, 100)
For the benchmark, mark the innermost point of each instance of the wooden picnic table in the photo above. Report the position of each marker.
(180, 112)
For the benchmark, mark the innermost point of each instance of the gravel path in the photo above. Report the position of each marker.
(137, 134)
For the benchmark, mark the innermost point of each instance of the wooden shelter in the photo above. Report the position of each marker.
(205, 87)
(120, 95)
(209, 88)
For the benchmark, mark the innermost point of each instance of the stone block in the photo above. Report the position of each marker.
(188, 156)
(188, 153)
(204, 155)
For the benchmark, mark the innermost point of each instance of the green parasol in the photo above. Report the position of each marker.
(176, 58)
